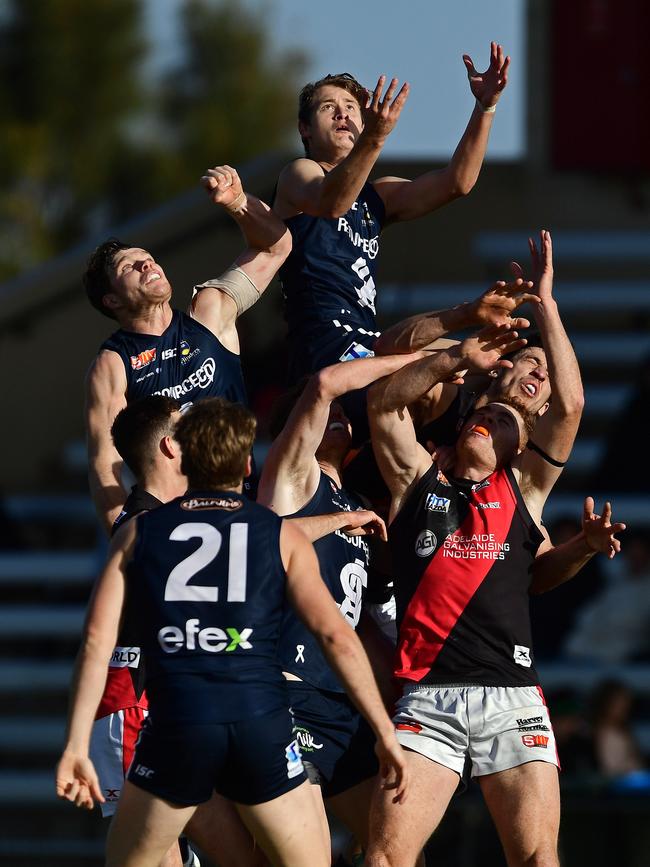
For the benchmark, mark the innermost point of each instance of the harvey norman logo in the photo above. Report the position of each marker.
(125, 657)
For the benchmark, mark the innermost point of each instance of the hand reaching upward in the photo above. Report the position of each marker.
(487, 86)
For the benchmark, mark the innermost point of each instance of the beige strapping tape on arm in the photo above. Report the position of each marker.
(235, 283)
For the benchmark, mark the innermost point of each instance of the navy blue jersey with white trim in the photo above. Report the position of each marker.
(343, 562)
(186, 362)
(328, 281)
(208, 584)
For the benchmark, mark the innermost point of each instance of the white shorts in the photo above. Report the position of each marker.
(489, 728)
(112, 744)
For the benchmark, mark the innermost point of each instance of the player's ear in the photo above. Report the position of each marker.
(110, 301)
(169, 447)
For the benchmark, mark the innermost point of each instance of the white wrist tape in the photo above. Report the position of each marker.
(489, 110)
(235, 283)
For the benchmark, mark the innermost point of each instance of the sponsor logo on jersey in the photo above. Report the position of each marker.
(437, 504)
(539, 728)
(370, 246)
(203, 377)
(477, 546)
(442, 478)
(305, 740)
(187, 352)
(521, 655)
(356, 350)
(197, 504)
(495, 505)
(535, 740)
(125, 657)
(294, 760)
(147, 375)
(167, 354)
(425, 544)
(143, 359)
(211, 639)
(479, 487)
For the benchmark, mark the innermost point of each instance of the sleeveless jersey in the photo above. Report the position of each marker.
(126, 675)
(463, 553)
(343, 563)
(208, 584)
(328, 282)
(186, 362)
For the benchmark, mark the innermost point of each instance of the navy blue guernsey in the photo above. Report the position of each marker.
(343, 562)
(186, 362)
(208, 582)
(328, 283)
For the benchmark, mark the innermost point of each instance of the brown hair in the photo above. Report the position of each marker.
(216, 438)
(97, 276)
(307, 95)
(529, 418)
(139, 427)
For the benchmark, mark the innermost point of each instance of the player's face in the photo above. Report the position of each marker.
(527, 380)
(493, 433)
(136, 279)
(335, 123)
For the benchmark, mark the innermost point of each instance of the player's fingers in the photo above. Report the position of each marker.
(390, 93)
(374, 102)
(516, 270)
(588, 508)
(520, 322)
(503, 73)
(607, 513)
(401, 97)
(469, 65)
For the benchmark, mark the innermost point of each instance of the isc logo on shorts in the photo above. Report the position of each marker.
(211, 639)
(425, 544)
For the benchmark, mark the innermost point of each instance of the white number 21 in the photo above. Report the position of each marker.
(177, 588)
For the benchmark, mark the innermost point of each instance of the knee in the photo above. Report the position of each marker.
(545, 856)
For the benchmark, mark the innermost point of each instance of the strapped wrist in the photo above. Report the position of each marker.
(490, 110)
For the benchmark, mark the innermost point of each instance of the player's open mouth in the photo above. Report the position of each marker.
(336, 425)
(153, 276)
(480, 430)
(530, 388)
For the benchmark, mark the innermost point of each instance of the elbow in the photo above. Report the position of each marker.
(461, 187)
(282, 247)
(323, 384)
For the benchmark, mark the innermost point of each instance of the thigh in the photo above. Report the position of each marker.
(398, 832)
(524, 803)
(289, 828)
(143, 829)
(112, 743)
(353, 809)
(216, 827)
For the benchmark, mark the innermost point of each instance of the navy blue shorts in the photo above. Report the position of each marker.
(333, 737)
(250, 761)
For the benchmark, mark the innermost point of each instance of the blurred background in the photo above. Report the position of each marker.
(112, 109)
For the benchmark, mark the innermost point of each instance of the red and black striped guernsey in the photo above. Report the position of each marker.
(462, 554)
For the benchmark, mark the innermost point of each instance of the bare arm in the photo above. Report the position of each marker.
(76, 779)
(268, 243)
(320, 614)
(303, 186)
(563, 562)
(406, 200)
(105, 397)
(362, 522)
(290, 475)
(556, 430)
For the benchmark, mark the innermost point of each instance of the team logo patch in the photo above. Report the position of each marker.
(356, 350)
(484, 484)
(521, 655)
(185, 349)
(294, 760)
(143, 359)
(437, 504)
(442, 478)
(198, 504)
(305, 740)
(535, 740)
(425, 544)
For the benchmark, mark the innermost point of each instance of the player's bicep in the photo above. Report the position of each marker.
(105, 397)
(299, 189)
(107, 598)
(400, 457)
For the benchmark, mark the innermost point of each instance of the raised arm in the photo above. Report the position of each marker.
(406, 200)
(223, 299)
(76, 779)
(304, 187)
(105, 397)
(361, 522)
(290, 475)
(561, 563)
(556, 430)
(401, 459)
(320, 614)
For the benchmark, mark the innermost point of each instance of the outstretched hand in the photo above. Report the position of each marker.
(223, 185)
(381, 115)
(599, 531)
(364, 522)
(487, 86)
(496, 304)
(542, 265)
(76, 781)
(482, 351)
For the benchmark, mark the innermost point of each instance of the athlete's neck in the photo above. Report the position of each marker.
(163, 485)
(154, 319)
(333, 470)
